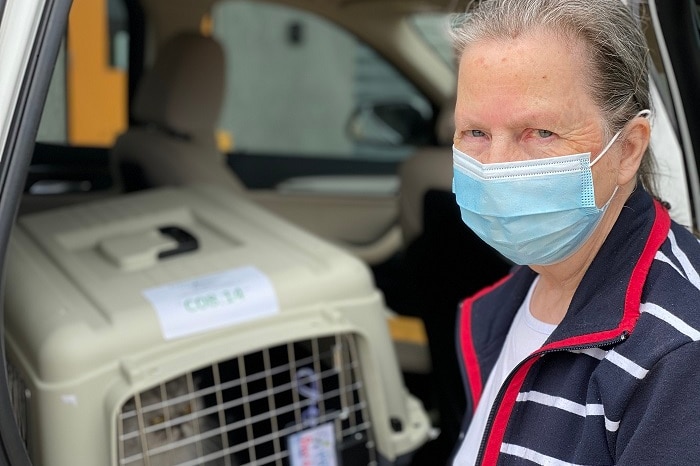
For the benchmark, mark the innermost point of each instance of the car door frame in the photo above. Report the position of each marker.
(20, 124)
(672, 22)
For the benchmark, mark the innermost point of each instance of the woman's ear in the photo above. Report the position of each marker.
(635, 143)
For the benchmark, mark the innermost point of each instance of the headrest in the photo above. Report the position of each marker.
(183, 92)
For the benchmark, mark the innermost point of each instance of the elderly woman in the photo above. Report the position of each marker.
(588, 353)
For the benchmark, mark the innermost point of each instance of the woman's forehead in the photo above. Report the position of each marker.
(535, 74)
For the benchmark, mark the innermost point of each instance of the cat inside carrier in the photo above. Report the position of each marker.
(247, 410)
(257, 344)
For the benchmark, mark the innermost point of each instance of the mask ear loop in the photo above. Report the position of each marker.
(644, 113)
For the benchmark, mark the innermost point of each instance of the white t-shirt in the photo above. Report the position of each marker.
(526, 335)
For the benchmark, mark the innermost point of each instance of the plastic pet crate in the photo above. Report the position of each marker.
(187, 326)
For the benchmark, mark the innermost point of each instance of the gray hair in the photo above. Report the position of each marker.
(612, 37)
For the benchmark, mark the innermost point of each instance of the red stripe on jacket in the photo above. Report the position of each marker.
(500, 422)
(658, 234)
(471, 362)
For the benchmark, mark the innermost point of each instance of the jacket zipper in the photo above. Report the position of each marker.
(501, 392)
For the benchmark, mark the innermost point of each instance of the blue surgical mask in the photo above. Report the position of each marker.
(534, 211)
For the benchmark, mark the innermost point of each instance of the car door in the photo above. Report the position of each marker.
(30, 32)
(674, 32)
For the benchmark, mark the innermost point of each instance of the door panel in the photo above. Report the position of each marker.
(350, 202)
(364, 225)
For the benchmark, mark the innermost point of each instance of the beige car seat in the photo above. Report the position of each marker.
(428, 168)
(176, 109)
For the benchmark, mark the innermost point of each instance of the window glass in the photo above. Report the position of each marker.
(299, 85)
(87, 100)
(52, 127)
(118, 34)
(435, 29)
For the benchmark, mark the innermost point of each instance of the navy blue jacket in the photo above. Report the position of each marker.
(618, 381)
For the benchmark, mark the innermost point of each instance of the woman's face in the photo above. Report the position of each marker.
(527, 98)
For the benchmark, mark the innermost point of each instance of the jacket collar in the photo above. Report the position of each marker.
(606, 304)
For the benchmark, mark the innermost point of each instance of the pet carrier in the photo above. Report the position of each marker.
(188, 326)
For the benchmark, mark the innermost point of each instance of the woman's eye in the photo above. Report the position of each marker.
(543, 133)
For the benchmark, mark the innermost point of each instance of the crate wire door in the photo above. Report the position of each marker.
(20, 397)
(242, 411)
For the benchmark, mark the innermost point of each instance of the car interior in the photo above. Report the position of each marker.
(334, 117)
(385, 197)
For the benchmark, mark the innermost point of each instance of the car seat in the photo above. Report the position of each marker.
(430, 167)
(175, 112)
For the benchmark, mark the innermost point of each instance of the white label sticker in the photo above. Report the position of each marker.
(313, 447)
(212, 301)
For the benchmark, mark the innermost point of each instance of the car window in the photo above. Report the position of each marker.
(434, 28)
(87, 100)
(299, 85)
